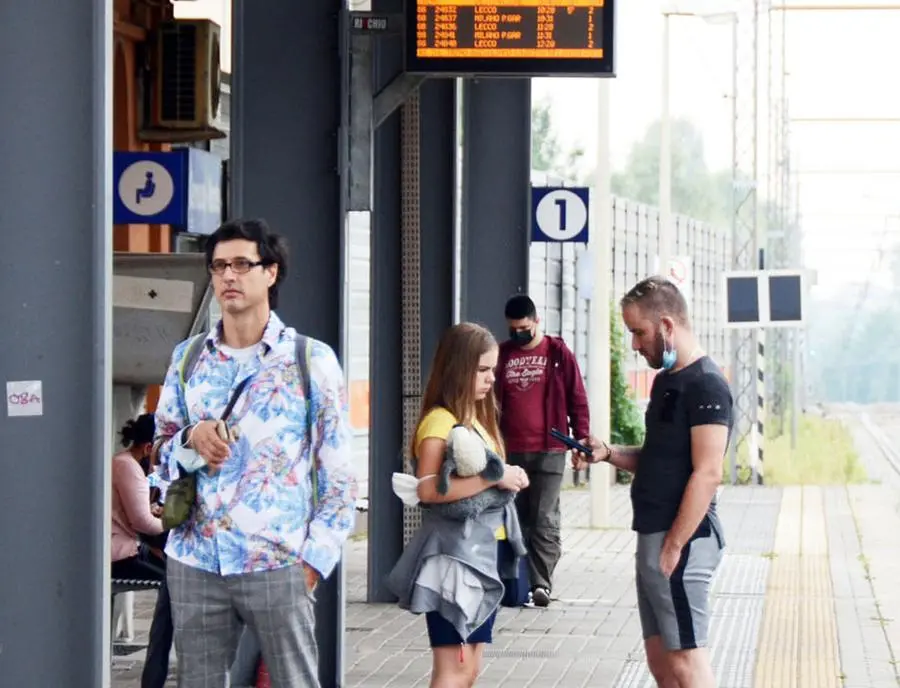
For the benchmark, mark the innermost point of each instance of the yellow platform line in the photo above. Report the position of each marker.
(798, 641)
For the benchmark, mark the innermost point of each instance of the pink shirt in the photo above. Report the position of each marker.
(130, 507)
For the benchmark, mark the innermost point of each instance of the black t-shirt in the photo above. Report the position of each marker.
(698, 394)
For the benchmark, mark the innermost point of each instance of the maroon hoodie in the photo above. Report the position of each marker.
(566, 404)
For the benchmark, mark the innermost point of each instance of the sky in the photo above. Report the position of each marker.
(838, 64)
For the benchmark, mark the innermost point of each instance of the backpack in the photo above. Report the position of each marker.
(303, 351)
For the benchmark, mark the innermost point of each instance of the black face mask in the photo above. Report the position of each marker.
(521, 337)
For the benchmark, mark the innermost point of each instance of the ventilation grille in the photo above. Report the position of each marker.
(178, 67)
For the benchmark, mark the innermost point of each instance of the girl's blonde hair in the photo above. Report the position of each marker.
(451, 382)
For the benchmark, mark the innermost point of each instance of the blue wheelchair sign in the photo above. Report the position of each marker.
(560, 214)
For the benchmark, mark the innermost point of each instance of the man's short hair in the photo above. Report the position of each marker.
(658, 297)
(519, 307)
(272, 247)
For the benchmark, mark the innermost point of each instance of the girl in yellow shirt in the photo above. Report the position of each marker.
(460, 389)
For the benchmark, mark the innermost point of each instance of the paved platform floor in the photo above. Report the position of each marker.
(806, 597)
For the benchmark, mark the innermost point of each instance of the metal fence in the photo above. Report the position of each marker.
(554, 283)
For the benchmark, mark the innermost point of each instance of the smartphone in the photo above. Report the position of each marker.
(570, 443)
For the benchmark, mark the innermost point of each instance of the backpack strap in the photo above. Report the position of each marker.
(188, 362)
(304, 354)
(190, 358)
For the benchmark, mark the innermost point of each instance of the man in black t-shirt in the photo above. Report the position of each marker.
(676, 473)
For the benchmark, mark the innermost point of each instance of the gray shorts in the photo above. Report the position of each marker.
(676, 608)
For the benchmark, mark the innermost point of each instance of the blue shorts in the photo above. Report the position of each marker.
(441, 632)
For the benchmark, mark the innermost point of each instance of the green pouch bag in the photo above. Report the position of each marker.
(180, 499)
(182, 493)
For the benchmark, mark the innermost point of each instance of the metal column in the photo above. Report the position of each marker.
(428, 164)
(386, 440)
(780, 242)
(410, 284)
(744, 242)
(55, 195)
(286, 112)
(437, 179)
(496, 197)
(412, 278)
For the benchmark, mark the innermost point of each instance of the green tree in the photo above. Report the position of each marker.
(545, 148)
(692, 188)
(721, 201)
(547, 153)
(697, 192)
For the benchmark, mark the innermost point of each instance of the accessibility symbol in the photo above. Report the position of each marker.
(559, 214)
(146, 188)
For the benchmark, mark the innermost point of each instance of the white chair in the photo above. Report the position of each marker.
(123, 617)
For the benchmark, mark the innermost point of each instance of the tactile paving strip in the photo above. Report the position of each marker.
(735, 632)
(635, 675)
(798, 646)
(742, 574)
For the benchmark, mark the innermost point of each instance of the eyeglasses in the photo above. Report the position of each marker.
(239, 266)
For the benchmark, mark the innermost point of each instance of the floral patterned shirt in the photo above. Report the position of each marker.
(257, 513)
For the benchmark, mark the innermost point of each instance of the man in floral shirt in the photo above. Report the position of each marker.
(258, 539)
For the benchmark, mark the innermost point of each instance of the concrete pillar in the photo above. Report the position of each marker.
(496, 197)
(286, 106)
(435, 172)
(386, 441)
(437, 177)
(55, 277)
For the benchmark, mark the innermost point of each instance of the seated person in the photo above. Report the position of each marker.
(158, 487)
(132, 513)
(138, 538)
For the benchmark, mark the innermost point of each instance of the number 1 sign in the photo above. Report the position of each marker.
(560, 214)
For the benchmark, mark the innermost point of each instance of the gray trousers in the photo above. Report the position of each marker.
(209, 611)
(246, 661)
(539, 512)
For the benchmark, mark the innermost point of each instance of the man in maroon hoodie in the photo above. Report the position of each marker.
(539, 386)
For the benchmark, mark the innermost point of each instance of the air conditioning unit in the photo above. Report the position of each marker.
(186, 82)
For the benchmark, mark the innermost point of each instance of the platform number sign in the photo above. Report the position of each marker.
(560, 214)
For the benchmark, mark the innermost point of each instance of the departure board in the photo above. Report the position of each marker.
(514, 37)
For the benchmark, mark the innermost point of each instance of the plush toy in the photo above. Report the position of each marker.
(466, 456)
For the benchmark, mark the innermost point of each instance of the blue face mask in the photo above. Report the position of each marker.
(669, 357)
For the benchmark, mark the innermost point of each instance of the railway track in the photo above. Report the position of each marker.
(881, 439)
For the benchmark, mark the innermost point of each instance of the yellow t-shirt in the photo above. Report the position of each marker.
(438, 422)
